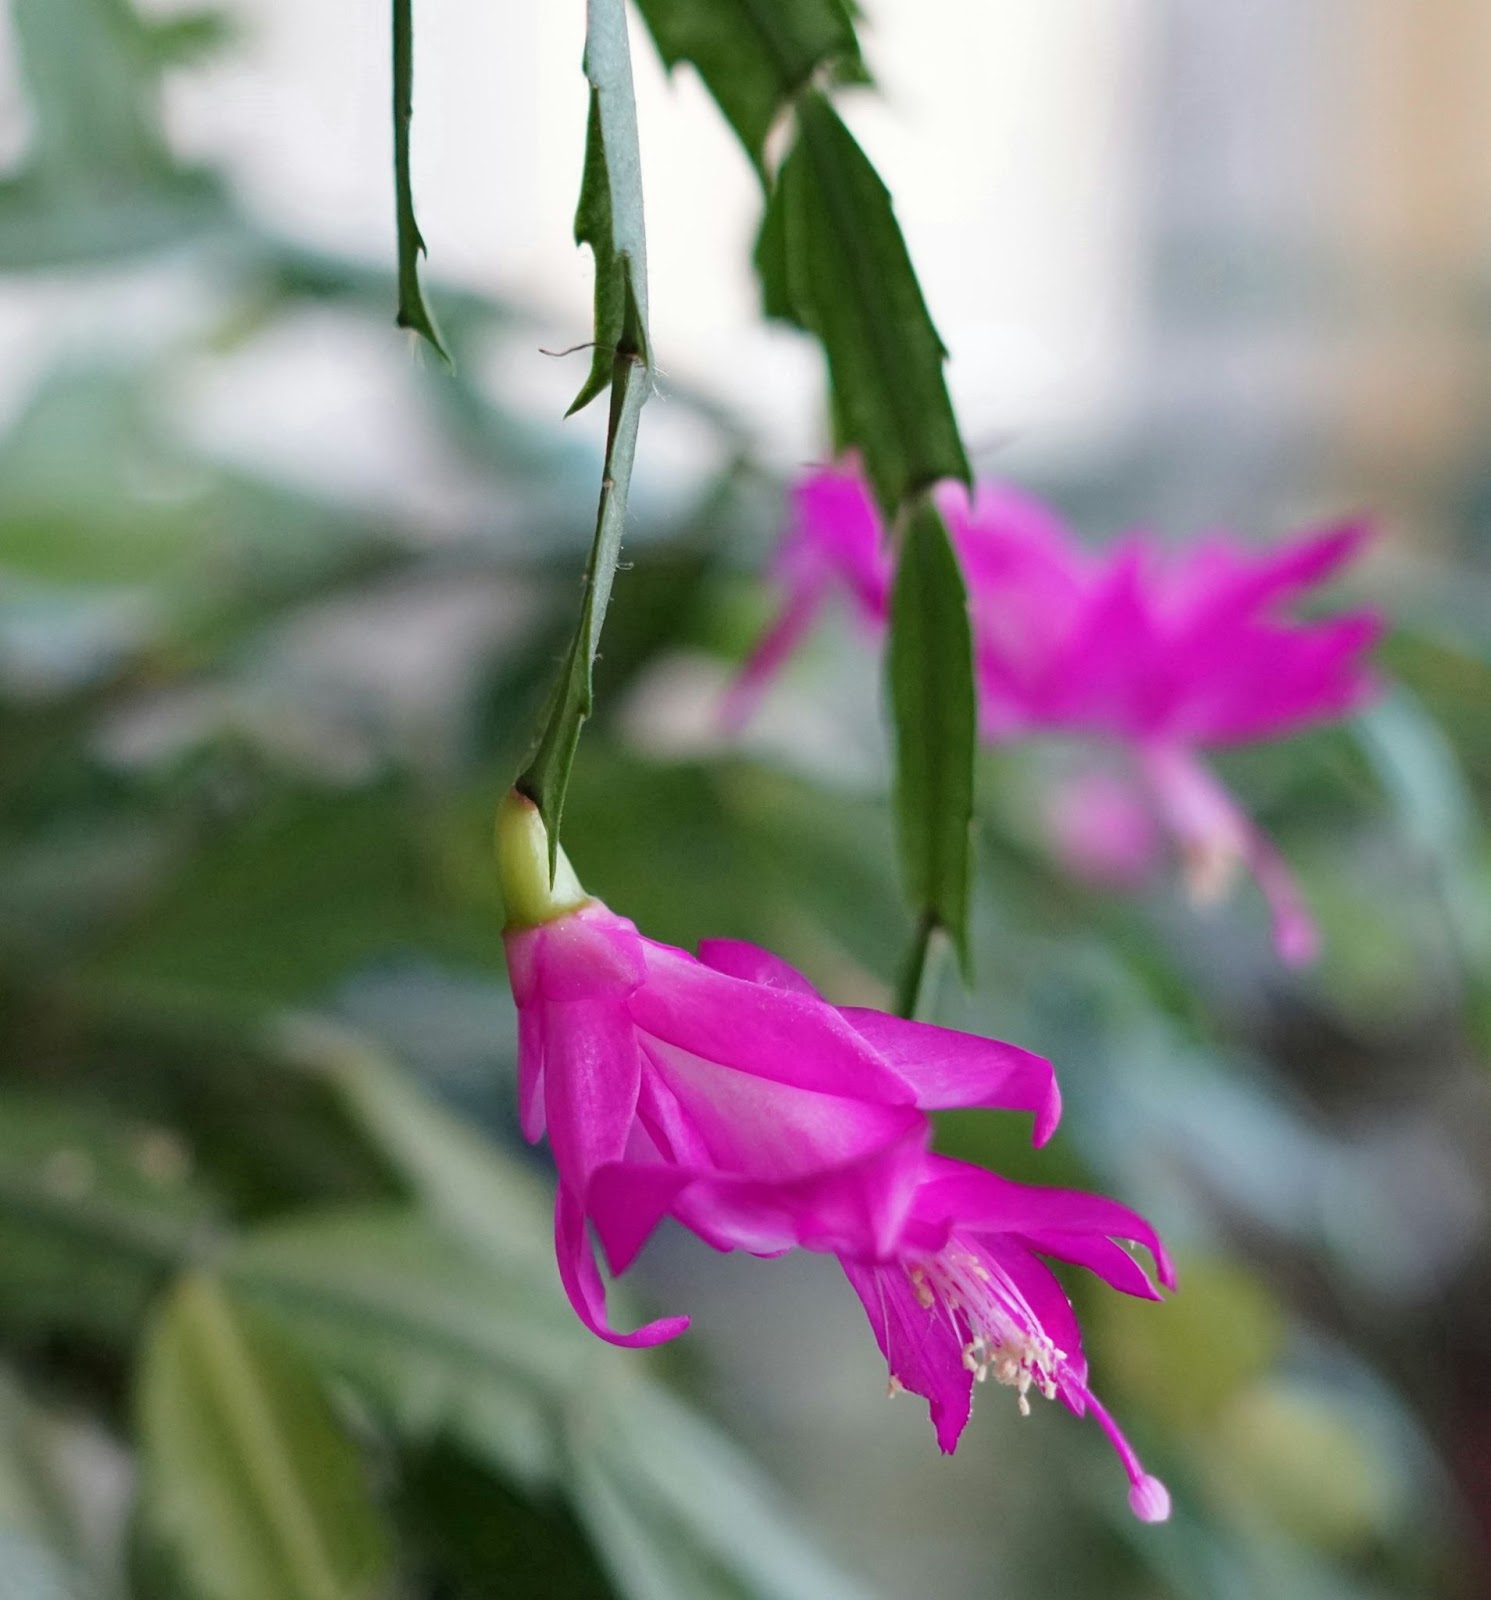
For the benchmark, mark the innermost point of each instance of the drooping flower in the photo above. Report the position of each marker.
(719, 1089)
(960, 1294)
(968, 1298)
(1161, 655)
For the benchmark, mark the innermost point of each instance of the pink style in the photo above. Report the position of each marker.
(1161, 654)
(723, 1091)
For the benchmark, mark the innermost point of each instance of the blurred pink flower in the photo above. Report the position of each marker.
(1162, 654)
(1101, 828)
(968, 1298)
(719, 1089)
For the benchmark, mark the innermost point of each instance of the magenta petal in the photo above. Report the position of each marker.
(591, 952)
(755, 1127)
(627, 1200)
(770, 654)
(738, 959)
(1252, 582)
(1212, 827)
(759, 1029)
(1110, 1261)
(1296, 938)
(922, 1347)
(837, 529)
(531, 1072)
(592, 1074)
(947, 1068)
(857, 1208)
(582, 1280)
(980, 1202)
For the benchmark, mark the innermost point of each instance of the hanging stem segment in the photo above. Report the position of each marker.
(413, 311)
(831, 259)
(609, 220)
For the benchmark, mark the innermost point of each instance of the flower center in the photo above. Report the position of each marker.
(1002, 1337)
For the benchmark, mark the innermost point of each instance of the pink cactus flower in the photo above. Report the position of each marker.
(959, 1293)
(720, 1089)
(1162, 655)
(969, 1298)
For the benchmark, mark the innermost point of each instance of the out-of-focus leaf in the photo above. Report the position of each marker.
(99, 181)
(92, 89)
(1302, 1456)
(469, 1338)
(114, 540)
(1184, 1364)
(95, 1213)
(850, 280)
(770, 858)
(495, 1205)
(191, 1090)
(249, 1485)
(41, 1553)
(677, 1514)
(308, 888)
(441, 1342)
(1435, 808)
(486, 1541)
(413, 312)
(755, 55)
(773, 271)
(188, 36)
(930, 668)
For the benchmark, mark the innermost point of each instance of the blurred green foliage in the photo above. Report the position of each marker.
(255, 1142)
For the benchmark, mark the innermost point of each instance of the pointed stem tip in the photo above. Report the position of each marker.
(530, 895)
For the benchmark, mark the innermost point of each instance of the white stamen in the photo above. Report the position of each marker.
(1005, 1338)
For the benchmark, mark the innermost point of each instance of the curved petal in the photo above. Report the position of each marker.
(582, 1280)
(592, 1075)
(759, 1030)
(922, 1346)
(738, 959)
(983, 1203)
(858, 1208)
(947, 1068)
(1232, 582)
(759, 1128)
(1110, 1261)
(854, 1210)
(837, 529)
